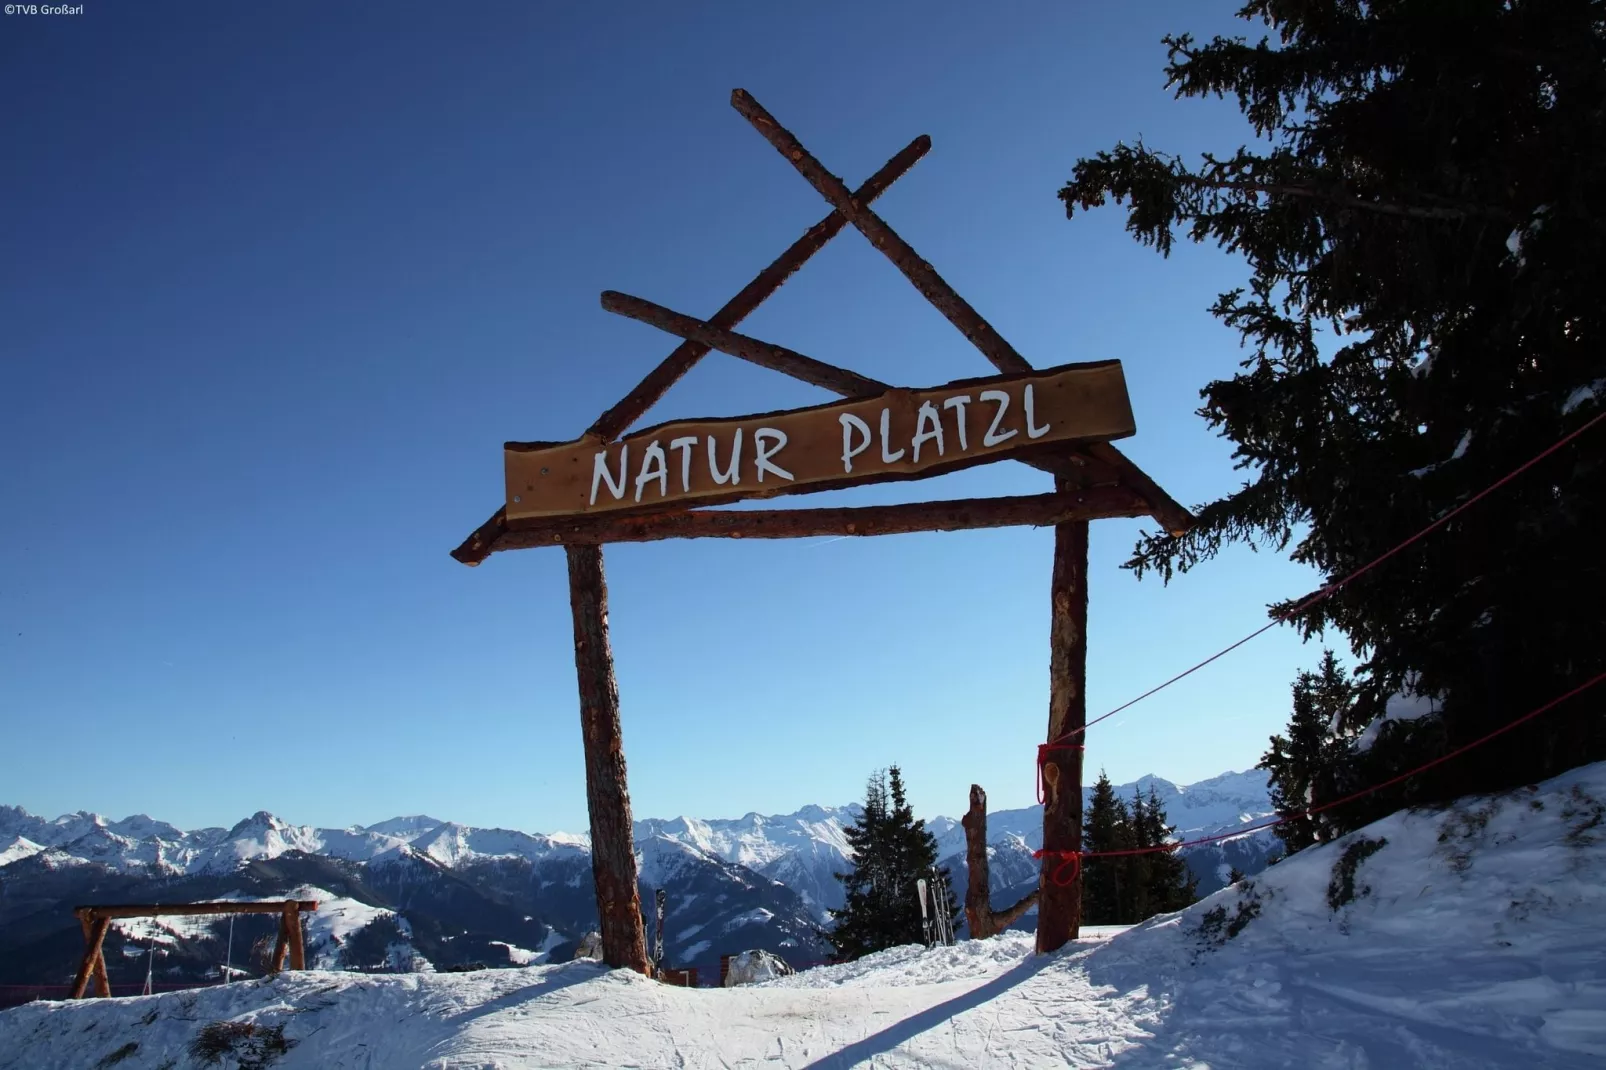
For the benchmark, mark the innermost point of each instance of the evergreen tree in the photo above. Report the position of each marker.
(1138, 869)
(1421, 216)
(1312, 764)
(892, 850)
(917, 856)
(1127, 889)
(1168, 885)
(1104, 828)
(864, 916)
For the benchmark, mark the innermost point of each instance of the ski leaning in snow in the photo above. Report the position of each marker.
(944, 911)
(925, 918)
(937, 924)
(659, 898)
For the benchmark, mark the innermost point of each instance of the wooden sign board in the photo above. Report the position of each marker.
(902, 434)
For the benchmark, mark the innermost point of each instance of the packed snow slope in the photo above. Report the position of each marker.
(1472, 937)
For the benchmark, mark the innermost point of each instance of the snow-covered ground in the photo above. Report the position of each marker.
(1473, 937)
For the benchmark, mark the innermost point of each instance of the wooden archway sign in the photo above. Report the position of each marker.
(96, 920)
(582, 494)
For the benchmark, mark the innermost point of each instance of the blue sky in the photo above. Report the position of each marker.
(282, 279)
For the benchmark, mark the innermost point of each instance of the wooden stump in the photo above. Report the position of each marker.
(613, 860)
(1059, 912)
(978, 907)
(983, 920)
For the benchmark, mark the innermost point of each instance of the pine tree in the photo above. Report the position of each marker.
(1103, 829)
(1312, 763)
(1137, 869)
(1169, 885)
(1127, 889)
(913, 857)
(864, 916)
(1421, 218)
(892, 850)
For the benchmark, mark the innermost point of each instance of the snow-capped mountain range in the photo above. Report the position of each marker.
(794, 842)
(466, 892)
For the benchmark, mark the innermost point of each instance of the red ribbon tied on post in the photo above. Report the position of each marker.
(1069, 860)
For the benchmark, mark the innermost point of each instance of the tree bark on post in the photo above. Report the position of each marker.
(978, 907)
(984, 921)
(282, 945)
(298, 947)
(1059, 912)
(613, 859)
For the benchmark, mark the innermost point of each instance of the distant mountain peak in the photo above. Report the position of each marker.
(396, 826)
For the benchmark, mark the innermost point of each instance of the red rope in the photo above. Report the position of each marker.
(1331, 588)
(1071, 860)
(1042, 756)
(1424, 767)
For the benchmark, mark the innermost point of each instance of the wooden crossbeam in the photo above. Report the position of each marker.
(852, 384)
(925, 278)
(935, 288)
(1166, 510)
(711, 335)
(225, 906)
(1038, 510)
(612, 423)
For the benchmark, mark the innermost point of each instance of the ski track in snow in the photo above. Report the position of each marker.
(1476, 939)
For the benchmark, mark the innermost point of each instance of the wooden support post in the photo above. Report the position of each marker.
(103, 987)
(81, 978)
(983, 920)
(1059, 911)
(298, 947)
(281, 945)
(94, 961)
(613, 859)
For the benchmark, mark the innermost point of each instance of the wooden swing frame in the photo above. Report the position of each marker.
(96, 920)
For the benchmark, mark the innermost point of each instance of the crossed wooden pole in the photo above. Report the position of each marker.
(96, 921)
(1091, 480)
